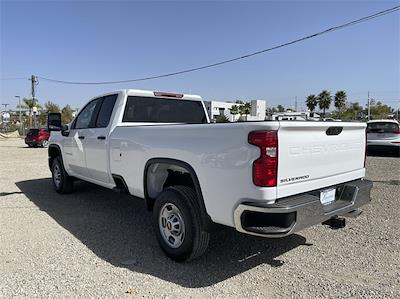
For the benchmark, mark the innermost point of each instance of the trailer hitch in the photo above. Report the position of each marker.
(335, 222)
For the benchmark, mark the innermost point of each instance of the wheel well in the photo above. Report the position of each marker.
(53, 152)
(161, 173)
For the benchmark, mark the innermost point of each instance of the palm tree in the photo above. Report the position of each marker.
(245, 109)
(324, 100)
(340, 100)
(28, 104)
(280, 108)
(234, 110)
(311, 102)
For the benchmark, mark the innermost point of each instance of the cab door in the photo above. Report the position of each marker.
(97, 141)
(75, 143)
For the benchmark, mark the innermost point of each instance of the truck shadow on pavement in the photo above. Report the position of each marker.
(383, 153)
(117, 228)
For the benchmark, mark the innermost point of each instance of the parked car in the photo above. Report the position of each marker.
(269, 178)
(383, 134)
(37, 137)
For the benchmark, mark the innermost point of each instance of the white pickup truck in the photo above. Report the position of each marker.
(267, 178)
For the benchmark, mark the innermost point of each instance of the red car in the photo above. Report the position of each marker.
(37, 137)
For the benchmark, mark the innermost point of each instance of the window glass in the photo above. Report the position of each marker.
(106, 109)
(33, 132)
(160, 110)
(85, 116)
(382, 127)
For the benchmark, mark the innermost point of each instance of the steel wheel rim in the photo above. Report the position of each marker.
(171, 225)
(57, 175)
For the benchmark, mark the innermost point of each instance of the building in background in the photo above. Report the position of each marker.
(293, 115)
(218, 108)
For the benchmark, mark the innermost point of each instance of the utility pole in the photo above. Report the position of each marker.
(34, 82)
(369, 107)
(5, 107)
(295, 103)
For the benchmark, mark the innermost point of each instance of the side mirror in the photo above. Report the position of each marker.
(65, 130)
(54, 121)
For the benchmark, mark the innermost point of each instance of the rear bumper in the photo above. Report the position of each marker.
(384, 143)
(31, 142)
(292, 214)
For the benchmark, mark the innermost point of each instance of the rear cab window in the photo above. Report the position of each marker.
(163, 110)
(382, 127)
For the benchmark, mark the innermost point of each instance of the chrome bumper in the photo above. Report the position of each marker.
(294, 213)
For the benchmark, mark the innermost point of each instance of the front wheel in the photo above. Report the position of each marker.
(62, 182)
(178, 225)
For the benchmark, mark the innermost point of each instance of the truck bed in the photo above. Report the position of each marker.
(309, 158)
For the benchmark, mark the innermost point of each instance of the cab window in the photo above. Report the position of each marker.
(107, 106)
(85, 116)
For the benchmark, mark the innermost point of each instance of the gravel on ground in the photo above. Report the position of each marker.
(96, 243)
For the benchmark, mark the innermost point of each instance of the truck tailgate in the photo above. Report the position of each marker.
(314, 155)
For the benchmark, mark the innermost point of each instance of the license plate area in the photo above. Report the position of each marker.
(327, 196)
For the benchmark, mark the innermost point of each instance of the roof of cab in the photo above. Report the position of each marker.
(162, 94)
(383, 120)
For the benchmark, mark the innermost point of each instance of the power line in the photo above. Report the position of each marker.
(331, 29)
(16, 78)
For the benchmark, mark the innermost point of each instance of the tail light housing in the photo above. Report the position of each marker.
(265, 168)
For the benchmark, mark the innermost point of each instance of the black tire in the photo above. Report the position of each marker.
(62, 182)
(195, 240)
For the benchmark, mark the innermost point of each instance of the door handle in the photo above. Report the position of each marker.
(101, 137)
(81, 137)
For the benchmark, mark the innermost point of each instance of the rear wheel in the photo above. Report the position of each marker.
(178, 224)
(62, 182)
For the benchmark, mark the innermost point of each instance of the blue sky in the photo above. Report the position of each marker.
(111, 40)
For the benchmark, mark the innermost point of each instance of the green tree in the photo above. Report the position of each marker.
(66, 114)
(311, 102)
(324, 101)
(221, 118)
(234, 110)
(353, 111)
(28, 104)
(270, 111)
(245, 109)
(280, 108)
(48, 107)
(51, 107)
(380, 110)
(340, 100)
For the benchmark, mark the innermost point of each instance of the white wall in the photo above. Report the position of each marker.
(215, 108)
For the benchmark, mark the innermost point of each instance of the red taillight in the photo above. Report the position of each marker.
(397, 132)
(265, 168)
